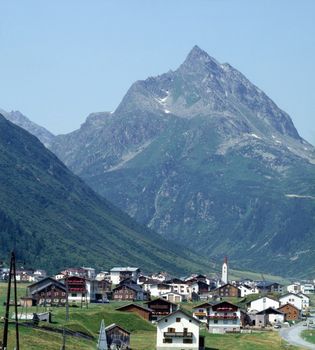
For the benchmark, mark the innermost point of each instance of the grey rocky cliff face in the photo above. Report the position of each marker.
(16, 117)
(201, 86)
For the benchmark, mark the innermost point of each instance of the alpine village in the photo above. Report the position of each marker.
(182, 220)
(173, 312)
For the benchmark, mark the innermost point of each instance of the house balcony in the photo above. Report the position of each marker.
(160, 313)
(223, 317)
(77, 289)
(202, 314)
(178, 334)
(76, 282)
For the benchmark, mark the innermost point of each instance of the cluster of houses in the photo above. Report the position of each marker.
(23, 275)
(157, 298)
(83, 285)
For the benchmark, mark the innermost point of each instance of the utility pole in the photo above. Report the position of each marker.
(67, 298)
(17, 338)
(7, 308)
(63, 347)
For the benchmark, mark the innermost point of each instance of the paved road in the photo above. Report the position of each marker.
(292, 336)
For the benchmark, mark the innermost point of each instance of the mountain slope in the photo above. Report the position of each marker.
(54, 220)
(16, 117)
(202, 155)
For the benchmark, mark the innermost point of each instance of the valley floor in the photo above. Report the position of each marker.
(143, 333)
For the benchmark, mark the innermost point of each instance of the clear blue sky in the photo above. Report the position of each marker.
(63, 59)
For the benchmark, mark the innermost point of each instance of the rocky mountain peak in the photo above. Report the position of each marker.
(197, 56)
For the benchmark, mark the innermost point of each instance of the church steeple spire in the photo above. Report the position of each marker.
(225, 271)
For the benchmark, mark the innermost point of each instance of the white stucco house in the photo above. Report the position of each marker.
(118, 274)
(308, 288)
(178, 330)
(247, 290)
(179, 286)
(294, 288)
(269, 316)
(293, 299)
(262, 304)
(305, 301)
(157, 289)
(172, 297)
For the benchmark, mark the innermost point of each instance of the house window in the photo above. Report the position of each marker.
(177, 319)
(225, 321)
(73, 294)
(171, 330)
(165, 320)
(215, 321)
(187, 341)
(168, 340)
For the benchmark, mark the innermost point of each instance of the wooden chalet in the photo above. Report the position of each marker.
(77, 291)
(227, 290)
(137, 309)
(224, 316)
(269, 287)
(103, 289)
(291, 312)
(160, 308)
(47, 292)
(197, 289)
(117, 337)
(132, 292)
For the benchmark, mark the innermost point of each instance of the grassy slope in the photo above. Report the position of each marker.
(54, 220)
(143, 333)
(309, 335)
(250, 219)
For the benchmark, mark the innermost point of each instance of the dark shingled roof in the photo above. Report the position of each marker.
(121, 308)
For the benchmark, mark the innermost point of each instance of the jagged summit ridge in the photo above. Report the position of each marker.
(203, 86)
(197, 56)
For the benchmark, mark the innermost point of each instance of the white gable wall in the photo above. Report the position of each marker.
(305, 301)
(247, 291)
(263, 303)
(276, 318)
(177, 342)
(291, 299)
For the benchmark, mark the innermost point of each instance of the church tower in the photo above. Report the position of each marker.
(225, 271)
